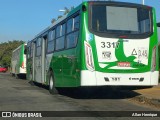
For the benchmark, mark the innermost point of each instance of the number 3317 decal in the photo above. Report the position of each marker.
(110, 44)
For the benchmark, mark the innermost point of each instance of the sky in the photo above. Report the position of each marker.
(23, 19)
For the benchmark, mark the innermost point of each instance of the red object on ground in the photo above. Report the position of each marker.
(3, 69)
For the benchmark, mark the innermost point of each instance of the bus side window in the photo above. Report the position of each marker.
(38, 47)
(58, 31)
(51, 38)
(63, 27)
(72, 35)
(70, 25)
(72, 39)
(60, 37)
(76, 22)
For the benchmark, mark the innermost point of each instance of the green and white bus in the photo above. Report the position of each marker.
(18, 61)
(99, 43)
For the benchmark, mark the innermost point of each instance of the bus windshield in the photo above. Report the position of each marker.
(25, 49)
(120, 20)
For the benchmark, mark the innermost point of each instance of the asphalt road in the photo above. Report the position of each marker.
(19, 95)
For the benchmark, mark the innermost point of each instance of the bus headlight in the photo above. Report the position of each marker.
(89, 57)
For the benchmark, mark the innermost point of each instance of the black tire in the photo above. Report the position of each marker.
(16, 76)
(52, 88)
(13, 74)
(31, 83)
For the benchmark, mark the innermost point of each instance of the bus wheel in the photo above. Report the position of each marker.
(17, 76)
(52, 88)
(31, 83)
(13, 74)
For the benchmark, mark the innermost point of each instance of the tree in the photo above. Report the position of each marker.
(6, 49)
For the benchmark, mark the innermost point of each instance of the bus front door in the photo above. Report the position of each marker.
(38, 61)
(44, 70)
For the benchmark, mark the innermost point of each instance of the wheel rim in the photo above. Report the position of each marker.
(51, 83)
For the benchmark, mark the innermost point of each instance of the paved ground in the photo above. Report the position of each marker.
(19, 95)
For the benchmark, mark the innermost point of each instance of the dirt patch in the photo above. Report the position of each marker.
(146, 101)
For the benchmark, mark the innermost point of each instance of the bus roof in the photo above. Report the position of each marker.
(58, 21)
(55, 23)
(19, 47)
(75, 9)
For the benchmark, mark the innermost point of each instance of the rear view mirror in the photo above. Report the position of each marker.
(158, 24)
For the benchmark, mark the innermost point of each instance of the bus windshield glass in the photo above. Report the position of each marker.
(117, 19)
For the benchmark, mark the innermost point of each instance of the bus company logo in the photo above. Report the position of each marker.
(6, 114)
(124, 64)
(106, 55)
(138, 79)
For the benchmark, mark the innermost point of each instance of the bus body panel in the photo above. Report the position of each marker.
(98, 60)
(120, 61)
(38, 69)
(40, 60)
(18, 60)
(57, 64)
(47, 66)
(122, 55)
(29, 61)
(65, 66)
(29, 69)
(69, 68)
(118, 79)
(44, 71)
